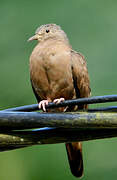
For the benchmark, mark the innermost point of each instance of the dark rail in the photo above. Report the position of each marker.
(17, 124)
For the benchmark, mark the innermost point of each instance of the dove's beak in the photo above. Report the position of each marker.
(35, 37)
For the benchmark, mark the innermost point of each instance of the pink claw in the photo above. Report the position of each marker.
(43, 104)
(58, 100)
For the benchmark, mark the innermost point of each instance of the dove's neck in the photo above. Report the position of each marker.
(56, 40)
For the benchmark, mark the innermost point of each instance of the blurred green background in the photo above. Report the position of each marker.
(92, 29)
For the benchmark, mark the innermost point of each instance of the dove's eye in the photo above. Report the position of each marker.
(47, 30)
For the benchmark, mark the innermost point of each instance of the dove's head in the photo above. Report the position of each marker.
(48, 31)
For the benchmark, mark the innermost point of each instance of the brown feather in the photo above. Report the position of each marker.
(82, 89)
(57, 71)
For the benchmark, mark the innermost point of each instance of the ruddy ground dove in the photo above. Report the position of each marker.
(59, 73)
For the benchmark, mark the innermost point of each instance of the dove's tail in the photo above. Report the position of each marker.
(74, 152)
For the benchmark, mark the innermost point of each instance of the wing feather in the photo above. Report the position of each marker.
(80, 75)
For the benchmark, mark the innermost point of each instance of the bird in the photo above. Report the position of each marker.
(58, 73)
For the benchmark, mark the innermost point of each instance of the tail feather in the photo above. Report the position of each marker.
(74, 152)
